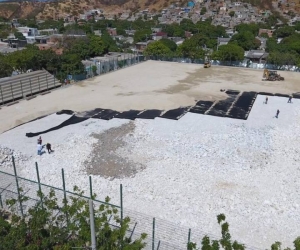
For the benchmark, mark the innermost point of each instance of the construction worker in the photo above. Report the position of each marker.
(266, 100)
(290, 99)
(277, 113)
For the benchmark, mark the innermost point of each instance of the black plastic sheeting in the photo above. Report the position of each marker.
(131, 114)
(149, 114)
(221, 107)
(175, 114)
(106, 114)
(72, 120)
(281, 95)
(296, 95)
(65, 112)
(243, 105)
(201, 107)
(265, 93)
(232, 92)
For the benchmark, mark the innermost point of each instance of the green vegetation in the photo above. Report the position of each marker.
(157, 49)
(49, 225)
(229, 52)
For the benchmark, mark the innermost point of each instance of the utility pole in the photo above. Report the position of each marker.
(92, 225)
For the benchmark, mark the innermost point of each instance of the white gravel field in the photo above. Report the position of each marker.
(194, 168)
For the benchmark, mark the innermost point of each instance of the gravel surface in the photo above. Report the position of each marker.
(185, 171)
(104, 160)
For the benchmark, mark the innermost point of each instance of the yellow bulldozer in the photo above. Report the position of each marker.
(207, 62)
(207, 65)
(272, 75)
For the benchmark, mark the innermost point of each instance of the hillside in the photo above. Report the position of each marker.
(74, 7)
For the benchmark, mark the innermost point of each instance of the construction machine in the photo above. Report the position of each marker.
(272, 75)
(207, 63)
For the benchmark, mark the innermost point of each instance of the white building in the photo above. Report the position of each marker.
(28, 32)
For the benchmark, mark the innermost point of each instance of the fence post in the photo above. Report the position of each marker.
(189, 239)
(92, 225)
(91, 187)
(12, 92)
(17, 183)
(39, 182)
(153, 234)
(53, 80)
(121, 201)
(1, 204)
(64, 184)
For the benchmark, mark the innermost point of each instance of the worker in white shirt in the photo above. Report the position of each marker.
(39, 149)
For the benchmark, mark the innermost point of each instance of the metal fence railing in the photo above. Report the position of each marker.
(102, 66)
(243, 64)
(161, 234)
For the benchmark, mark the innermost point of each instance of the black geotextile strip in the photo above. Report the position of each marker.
(238, 113)
(265, 93)
(65, 112)
(296, 95)
(131, 114)
(72, 120)
(198, 109)
(175, 114)
(281, 95)
(149, 114)
(221, 107)
(204, 103)
(232, 92)
(106, 114)
(243, 105)
(90, 113)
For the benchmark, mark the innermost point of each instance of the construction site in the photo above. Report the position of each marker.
(187, 143)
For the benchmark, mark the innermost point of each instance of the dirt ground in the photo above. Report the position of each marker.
(149, 85)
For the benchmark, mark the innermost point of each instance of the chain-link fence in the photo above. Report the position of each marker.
(161, 234)
(101, 66)
(243, 64)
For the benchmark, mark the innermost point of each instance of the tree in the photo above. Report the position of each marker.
(173, 30)
(19, 35)
(142, 35)
(280, 59)
(49, 225)
(251, 27)
(229, 52)
(157, 49)
(246, 40)
(5, 68)
(192, 48)
(71, 64)
(231, 13)
(284, 31)
(203, 11)
(96, 46)
(225, 242)
(169, 43)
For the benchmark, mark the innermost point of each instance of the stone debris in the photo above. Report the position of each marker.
(6, 157)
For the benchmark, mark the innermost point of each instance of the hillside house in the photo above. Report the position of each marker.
(266, 31)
